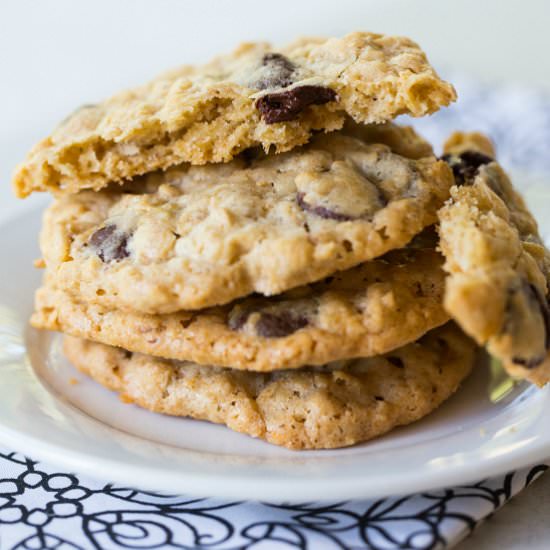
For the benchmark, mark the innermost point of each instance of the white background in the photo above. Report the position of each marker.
(58, 54)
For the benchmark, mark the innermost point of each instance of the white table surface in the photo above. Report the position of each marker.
(58, 54)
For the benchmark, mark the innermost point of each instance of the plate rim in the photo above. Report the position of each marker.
(243, 488)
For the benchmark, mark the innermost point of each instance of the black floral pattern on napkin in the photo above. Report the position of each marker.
(41, 508)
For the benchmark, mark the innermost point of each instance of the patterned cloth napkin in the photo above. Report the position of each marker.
(43, 508)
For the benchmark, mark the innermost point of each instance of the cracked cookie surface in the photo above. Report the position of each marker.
(498, 266)
(313, 408)
(198, 236)
(370, 309)
(256, 96)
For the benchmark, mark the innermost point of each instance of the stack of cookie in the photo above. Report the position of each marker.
(255, 243)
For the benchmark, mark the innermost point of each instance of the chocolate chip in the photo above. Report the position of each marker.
(271, 325)
(237, 320)
(534, 299)
(528, 363)
(110, 243)
(466, 165)
(284, 106)
(277, 72)
(321, 211)
(267, 324)
(278, 60)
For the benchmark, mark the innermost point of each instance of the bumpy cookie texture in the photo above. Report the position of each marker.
(313, 408)
(367, 310)
(497, 288)
(256, 96)
(402, 140)
(198, 236)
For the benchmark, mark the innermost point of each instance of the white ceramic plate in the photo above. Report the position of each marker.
(490, 426)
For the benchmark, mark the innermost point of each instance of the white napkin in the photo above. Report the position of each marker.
(43, 508)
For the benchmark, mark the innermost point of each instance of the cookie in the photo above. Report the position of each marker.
(313, 408)
(256, 96)
(367, 310)
(402, 140)
(498, 266)
(198, 236)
